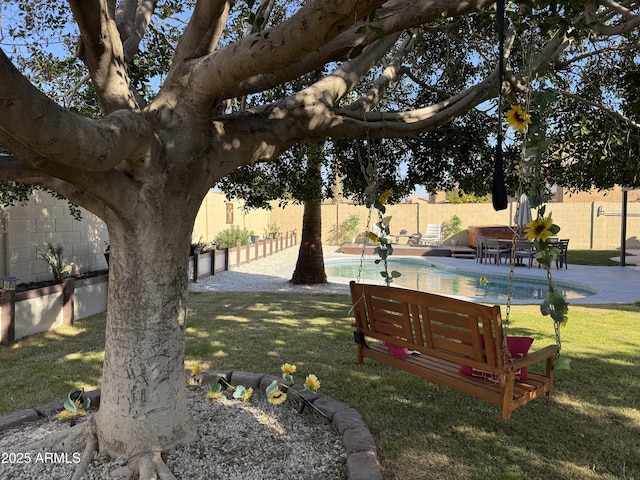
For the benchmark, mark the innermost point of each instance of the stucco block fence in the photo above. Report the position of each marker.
(209, 263)
(39, 310)
(43, 309)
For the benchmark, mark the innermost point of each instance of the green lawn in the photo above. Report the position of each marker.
(588, 430)
(598, 257)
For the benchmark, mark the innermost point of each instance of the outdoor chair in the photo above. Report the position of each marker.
(480, 246)
(561, 259)
(495, 250)
(524, 251)
(414, 239)
(432, 235)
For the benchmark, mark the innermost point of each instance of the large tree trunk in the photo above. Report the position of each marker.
(310, 265)
(143, 406)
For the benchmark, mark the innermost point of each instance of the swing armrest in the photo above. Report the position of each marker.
(534, 357)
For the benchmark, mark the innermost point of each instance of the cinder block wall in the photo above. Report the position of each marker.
(217, 214)
(24, 229)
(579, 221)
(27, 228)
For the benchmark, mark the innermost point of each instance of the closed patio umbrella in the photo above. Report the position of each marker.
(523, 216)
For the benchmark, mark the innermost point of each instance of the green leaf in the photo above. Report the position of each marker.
(378, 31)
(273, 386)
(288, 378)
(395, 274)
(379, 206)
(562, 363)
(69, 404)
(544, 309)
(239, 391)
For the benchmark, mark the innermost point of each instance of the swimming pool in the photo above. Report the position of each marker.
(420, 274)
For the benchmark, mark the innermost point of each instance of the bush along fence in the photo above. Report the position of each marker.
(43, 309)
(209, 263)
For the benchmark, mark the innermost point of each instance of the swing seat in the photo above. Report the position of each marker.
(443, 337)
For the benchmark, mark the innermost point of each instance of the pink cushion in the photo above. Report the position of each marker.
(396, 350)
(518, 347)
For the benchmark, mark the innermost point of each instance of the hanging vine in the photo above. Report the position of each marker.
(383, 247)
(376, 201)
(529, 122)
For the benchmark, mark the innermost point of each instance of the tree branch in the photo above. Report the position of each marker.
(343, 79)
(86, 144)
(73, 184)
(601, 22)
(351, 124)
(101, 51)
(259, 54)
(395, 16)
(203, 32)
(391, 74)
(133, 19)
(602, 107)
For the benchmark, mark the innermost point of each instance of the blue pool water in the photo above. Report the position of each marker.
(419, 274)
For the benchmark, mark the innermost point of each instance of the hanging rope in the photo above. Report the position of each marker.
(364, 245)
(499, 192)
(370, 174)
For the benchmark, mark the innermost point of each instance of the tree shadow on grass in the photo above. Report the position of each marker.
(52, 364)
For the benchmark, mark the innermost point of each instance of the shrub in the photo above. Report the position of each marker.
(229, 237)
(200, 247)
(451, 227)
(53, 256)
(345, 232)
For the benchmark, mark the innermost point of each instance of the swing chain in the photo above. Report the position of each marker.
(556, 325)
(364, 245)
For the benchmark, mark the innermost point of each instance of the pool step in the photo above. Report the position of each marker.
(463, 255)
(462, 252)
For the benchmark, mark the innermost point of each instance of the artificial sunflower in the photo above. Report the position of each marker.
(277, 396)
(195, 371)
(312, 382)
(518, 118)
(373, 237)
(213, 395)
(288, 369)
(539, 228)
(247, 394)
(384, 196)
(483, 281)
(66, 415)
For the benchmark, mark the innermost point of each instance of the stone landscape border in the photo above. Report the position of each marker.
(359, 445)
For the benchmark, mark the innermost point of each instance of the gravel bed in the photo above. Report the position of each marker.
(236, 440)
